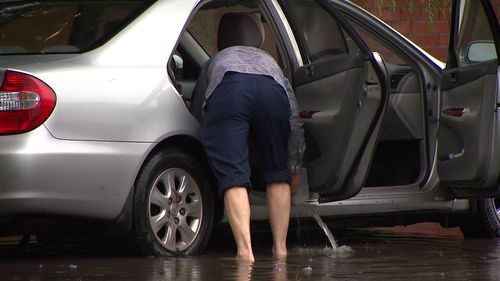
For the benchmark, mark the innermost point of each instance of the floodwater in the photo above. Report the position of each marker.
(379, 254)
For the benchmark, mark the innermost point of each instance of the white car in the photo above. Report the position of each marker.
(95, 120)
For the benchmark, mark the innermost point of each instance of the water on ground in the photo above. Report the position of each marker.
(376, 255)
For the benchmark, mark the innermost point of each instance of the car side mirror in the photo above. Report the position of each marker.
(479, 51)
(177, 66)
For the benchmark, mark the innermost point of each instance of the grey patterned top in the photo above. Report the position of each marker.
(251, 60)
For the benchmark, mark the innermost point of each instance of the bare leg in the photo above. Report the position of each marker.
(278, 207)
(237, 208)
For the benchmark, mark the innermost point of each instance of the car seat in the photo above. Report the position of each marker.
(240, 29)
(235, 29)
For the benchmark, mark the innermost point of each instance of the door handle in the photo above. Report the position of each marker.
(455, 111)
(307, 114)
(456, 155)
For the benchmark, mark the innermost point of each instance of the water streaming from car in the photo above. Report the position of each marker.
(302, 201)
(336, 249)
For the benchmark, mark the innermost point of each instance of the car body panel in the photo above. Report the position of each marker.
(43, 175)
(117, 105)
(358, 207)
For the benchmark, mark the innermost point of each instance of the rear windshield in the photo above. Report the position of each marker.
(39, 27)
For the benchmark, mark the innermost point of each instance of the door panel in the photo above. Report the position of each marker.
(333, 101)
(341, 93)
(341, 131)
(367, 123)
(468, 159)
(325, 68)
(467, 123)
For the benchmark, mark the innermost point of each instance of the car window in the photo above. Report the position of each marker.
(62, 26)
(376, 45)
(474, 42)
(398, 65)
(321, 34)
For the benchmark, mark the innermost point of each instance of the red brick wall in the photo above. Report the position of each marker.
(415, 24)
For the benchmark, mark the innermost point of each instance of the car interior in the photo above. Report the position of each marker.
(401, 154)
(340, 102)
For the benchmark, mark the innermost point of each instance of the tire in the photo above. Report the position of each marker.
(173, 209)
(484, 220)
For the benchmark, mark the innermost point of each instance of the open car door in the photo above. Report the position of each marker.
(469, 127)
(342, 94)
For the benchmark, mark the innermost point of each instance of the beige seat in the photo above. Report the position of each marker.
(240, 29)
(235, 29)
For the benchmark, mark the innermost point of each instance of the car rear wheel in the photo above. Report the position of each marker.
(484, 222)
(173, 205)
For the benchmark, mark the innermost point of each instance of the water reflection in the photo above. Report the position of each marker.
(376, 256)
(244, 270)
(213, 268)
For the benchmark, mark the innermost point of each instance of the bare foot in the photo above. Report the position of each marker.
(246, 257)
(280, 252)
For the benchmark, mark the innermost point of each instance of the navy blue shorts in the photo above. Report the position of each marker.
(246, 105)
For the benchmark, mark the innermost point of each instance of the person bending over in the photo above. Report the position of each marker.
(244, 92)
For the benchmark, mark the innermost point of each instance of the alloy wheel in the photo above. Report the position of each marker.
(175, 209)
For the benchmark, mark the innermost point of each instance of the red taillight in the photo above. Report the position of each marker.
(25, 103)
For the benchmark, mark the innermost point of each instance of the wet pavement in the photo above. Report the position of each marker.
(424, 252)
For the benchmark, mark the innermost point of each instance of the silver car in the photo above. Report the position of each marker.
(95, 118)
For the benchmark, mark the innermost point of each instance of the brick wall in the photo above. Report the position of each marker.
(415, 25)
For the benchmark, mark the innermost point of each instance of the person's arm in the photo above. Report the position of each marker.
(295, 183)
(296, 142)
(199, 91)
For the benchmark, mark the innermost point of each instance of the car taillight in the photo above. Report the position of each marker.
(25, 103)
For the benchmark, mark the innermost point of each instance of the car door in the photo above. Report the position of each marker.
(341, 91)
(468, 138)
